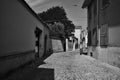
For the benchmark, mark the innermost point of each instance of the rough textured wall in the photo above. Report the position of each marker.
(57, 45)
(114, 36)
(113, 21)
(110, 55)
(17, 38)
(16, 28)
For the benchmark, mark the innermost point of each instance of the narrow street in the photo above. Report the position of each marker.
(68, 66)
(60, 40)
(72, 66)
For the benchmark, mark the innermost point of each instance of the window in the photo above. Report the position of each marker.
(104, 35)
(89, 38)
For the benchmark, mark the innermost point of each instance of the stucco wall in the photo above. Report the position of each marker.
(111, 16)
(113, 20)
(48, 49)
(114, 36)
(17, 27)
(113, 13)
(17, 36)
(57, 45)
(93, 51)
(110, 55)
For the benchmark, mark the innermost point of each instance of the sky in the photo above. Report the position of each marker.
(74, 13)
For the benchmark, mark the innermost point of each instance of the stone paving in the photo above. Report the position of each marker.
(73, 66)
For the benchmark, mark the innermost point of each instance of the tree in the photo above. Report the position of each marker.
(54, 13)
(69, 27)
(57, 29)
(58, 14)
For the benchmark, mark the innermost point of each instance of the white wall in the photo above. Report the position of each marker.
(57, 45)
(114, 36)
(77, 34)
(16, 28)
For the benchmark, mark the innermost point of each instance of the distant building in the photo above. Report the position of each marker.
(104, 30)
(74, 41)
(23, 36)
(83, 38)
(77, 33)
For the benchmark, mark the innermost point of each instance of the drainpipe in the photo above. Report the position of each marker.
(98, 32)
(98, 26)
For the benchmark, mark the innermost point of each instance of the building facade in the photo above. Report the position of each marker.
(104, 30)
(20, 32)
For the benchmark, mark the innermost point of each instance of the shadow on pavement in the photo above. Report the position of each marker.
(35, 74)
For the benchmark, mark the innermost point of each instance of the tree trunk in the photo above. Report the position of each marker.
(63, 40)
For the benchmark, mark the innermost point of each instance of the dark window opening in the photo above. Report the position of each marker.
(89, 38)
(37, 33)
(91, 54)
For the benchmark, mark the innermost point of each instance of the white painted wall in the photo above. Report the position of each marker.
(57, 45)
(17, 27)
(114, 36)
(77, 34)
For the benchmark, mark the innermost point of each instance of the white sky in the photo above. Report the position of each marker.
(74, 13)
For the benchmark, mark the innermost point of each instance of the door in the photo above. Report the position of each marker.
(38, 33)
(45, 46)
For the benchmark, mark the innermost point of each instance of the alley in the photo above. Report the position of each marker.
(72, 66)
(68, 66)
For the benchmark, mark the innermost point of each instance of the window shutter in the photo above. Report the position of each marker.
(104, 35)
(94, 37)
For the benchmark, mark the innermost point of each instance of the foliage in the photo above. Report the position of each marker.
(57, 28)
(54, 13)
(58, 14)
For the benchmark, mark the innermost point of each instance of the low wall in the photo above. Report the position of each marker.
(57, 45)
(93, 51)
(110, 55)
(11, 62)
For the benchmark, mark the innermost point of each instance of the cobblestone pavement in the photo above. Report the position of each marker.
(73, 66)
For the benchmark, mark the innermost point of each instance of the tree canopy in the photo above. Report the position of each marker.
(57, 29)
(58, 14)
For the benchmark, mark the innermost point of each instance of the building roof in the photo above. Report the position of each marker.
(78, 27)
(86, 3)
(32, 12)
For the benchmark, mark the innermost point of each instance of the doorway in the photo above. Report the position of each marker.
(45, 46)
(38, 33)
